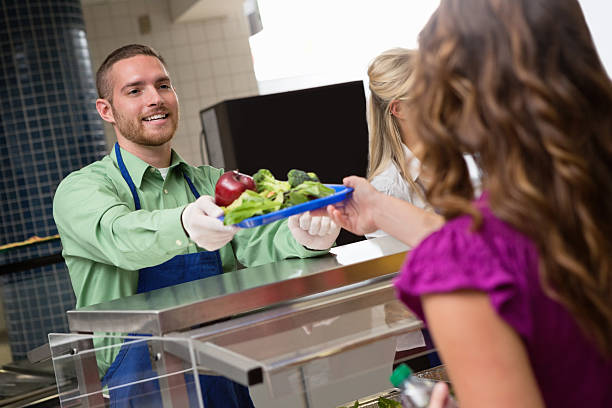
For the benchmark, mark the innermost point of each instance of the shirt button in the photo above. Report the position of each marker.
(152, 170)
(179, 242)
(165, 191)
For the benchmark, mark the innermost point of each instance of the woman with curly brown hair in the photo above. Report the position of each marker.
(515, 287)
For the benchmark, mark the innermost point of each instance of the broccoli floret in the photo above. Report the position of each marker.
(261, 176)
(297, 177)
(265, 181)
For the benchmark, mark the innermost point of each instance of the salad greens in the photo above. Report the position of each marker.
(248, 205)
(306, 192)
(388, 403)
(272, 195)
(296, 177)
(382, 402)
(265, 181)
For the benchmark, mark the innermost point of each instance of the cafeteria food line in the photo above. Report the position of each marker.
(305, 332)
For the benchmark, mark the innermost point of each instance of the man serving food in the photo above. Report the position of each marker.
(141, 219)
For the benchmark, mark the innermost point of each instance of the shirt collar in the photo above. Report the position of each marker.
(138, 167)
(414, 165)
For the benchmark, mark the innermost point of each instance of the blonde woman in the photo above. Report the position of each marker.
(395, 150)
(395, 153)
(394, 166)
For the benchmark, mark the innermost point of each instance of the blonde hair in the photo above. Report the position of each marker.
(390, 77)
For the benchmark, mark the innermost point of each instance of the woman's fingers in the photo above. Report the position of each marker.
(439, 396)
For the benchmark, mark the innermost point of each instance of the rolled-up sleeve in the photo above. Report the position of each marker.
(94, 223)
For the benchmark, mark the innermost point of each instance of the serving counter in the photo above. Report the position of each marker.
(314, 332)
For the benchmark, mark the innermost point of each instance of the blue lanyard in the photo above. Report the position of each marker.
(130, 183)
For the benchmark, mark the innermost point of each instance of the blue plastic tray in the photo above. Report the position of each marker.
(342, 193)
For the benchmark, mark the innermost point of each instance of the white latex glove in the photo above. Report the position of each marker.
(316, 233)
(200, 221)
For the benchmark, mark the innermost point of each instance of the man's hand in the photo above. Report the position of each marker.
(313, 232)
(200, 221)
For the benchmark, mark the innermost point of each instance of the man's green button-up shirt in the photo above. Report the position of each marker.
(106, 241)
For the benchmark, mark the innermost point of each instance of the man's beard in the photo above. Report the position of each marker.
(134, 131)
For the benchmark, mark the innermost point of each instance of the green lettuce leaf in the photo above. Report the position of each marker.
(248, 205)
(308, 190)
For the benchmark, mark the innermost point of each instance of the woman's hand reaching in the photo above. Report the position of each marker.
(357, 214)
(369, 210)
(440, 397)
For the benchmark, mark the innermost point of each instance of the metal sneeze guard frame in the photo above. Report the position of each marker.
(78, 382)
(206, 300)
(187, 316)
(231, 336)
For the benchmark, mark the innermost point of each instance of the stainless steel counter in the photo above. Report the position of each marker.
(300, 332)
(194, 303)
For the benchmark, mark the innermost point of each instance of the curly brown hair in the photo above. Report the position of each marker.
(519, 84)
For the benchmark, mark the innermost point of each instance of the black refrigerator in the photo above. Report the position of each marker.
(321, 129)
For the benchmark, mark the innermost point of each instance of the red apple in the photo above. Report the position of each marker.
(230, 185)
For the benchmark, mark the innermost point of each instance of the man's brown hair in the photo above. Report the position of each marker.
(103, 84)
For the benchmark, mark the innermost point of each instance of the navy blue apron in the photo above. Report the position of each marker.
(133, 362)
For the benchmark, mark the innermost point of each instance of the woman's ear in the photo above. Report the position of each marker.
(394, 108)
(105, 110)
(397, 109)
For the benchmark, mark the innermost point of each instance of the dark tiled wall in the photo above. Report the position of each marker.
(49, 127)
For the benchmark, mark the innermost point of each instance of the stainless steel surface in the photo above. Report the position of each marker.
(320, 351)
(296, 314)
(44, 368)
(39, 354)
(88, 378)
(21, 388)
(172, 387)
(81, 384)
(253, 335)
(305, 390)
(199, 302)
(264, 325)
(220, 360)
(45, 397)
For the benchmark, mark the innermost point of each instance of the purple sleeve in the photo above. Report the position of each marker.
(454, 258)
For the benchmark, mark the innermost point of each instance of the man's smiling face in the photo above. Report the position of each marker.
(144, 104)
